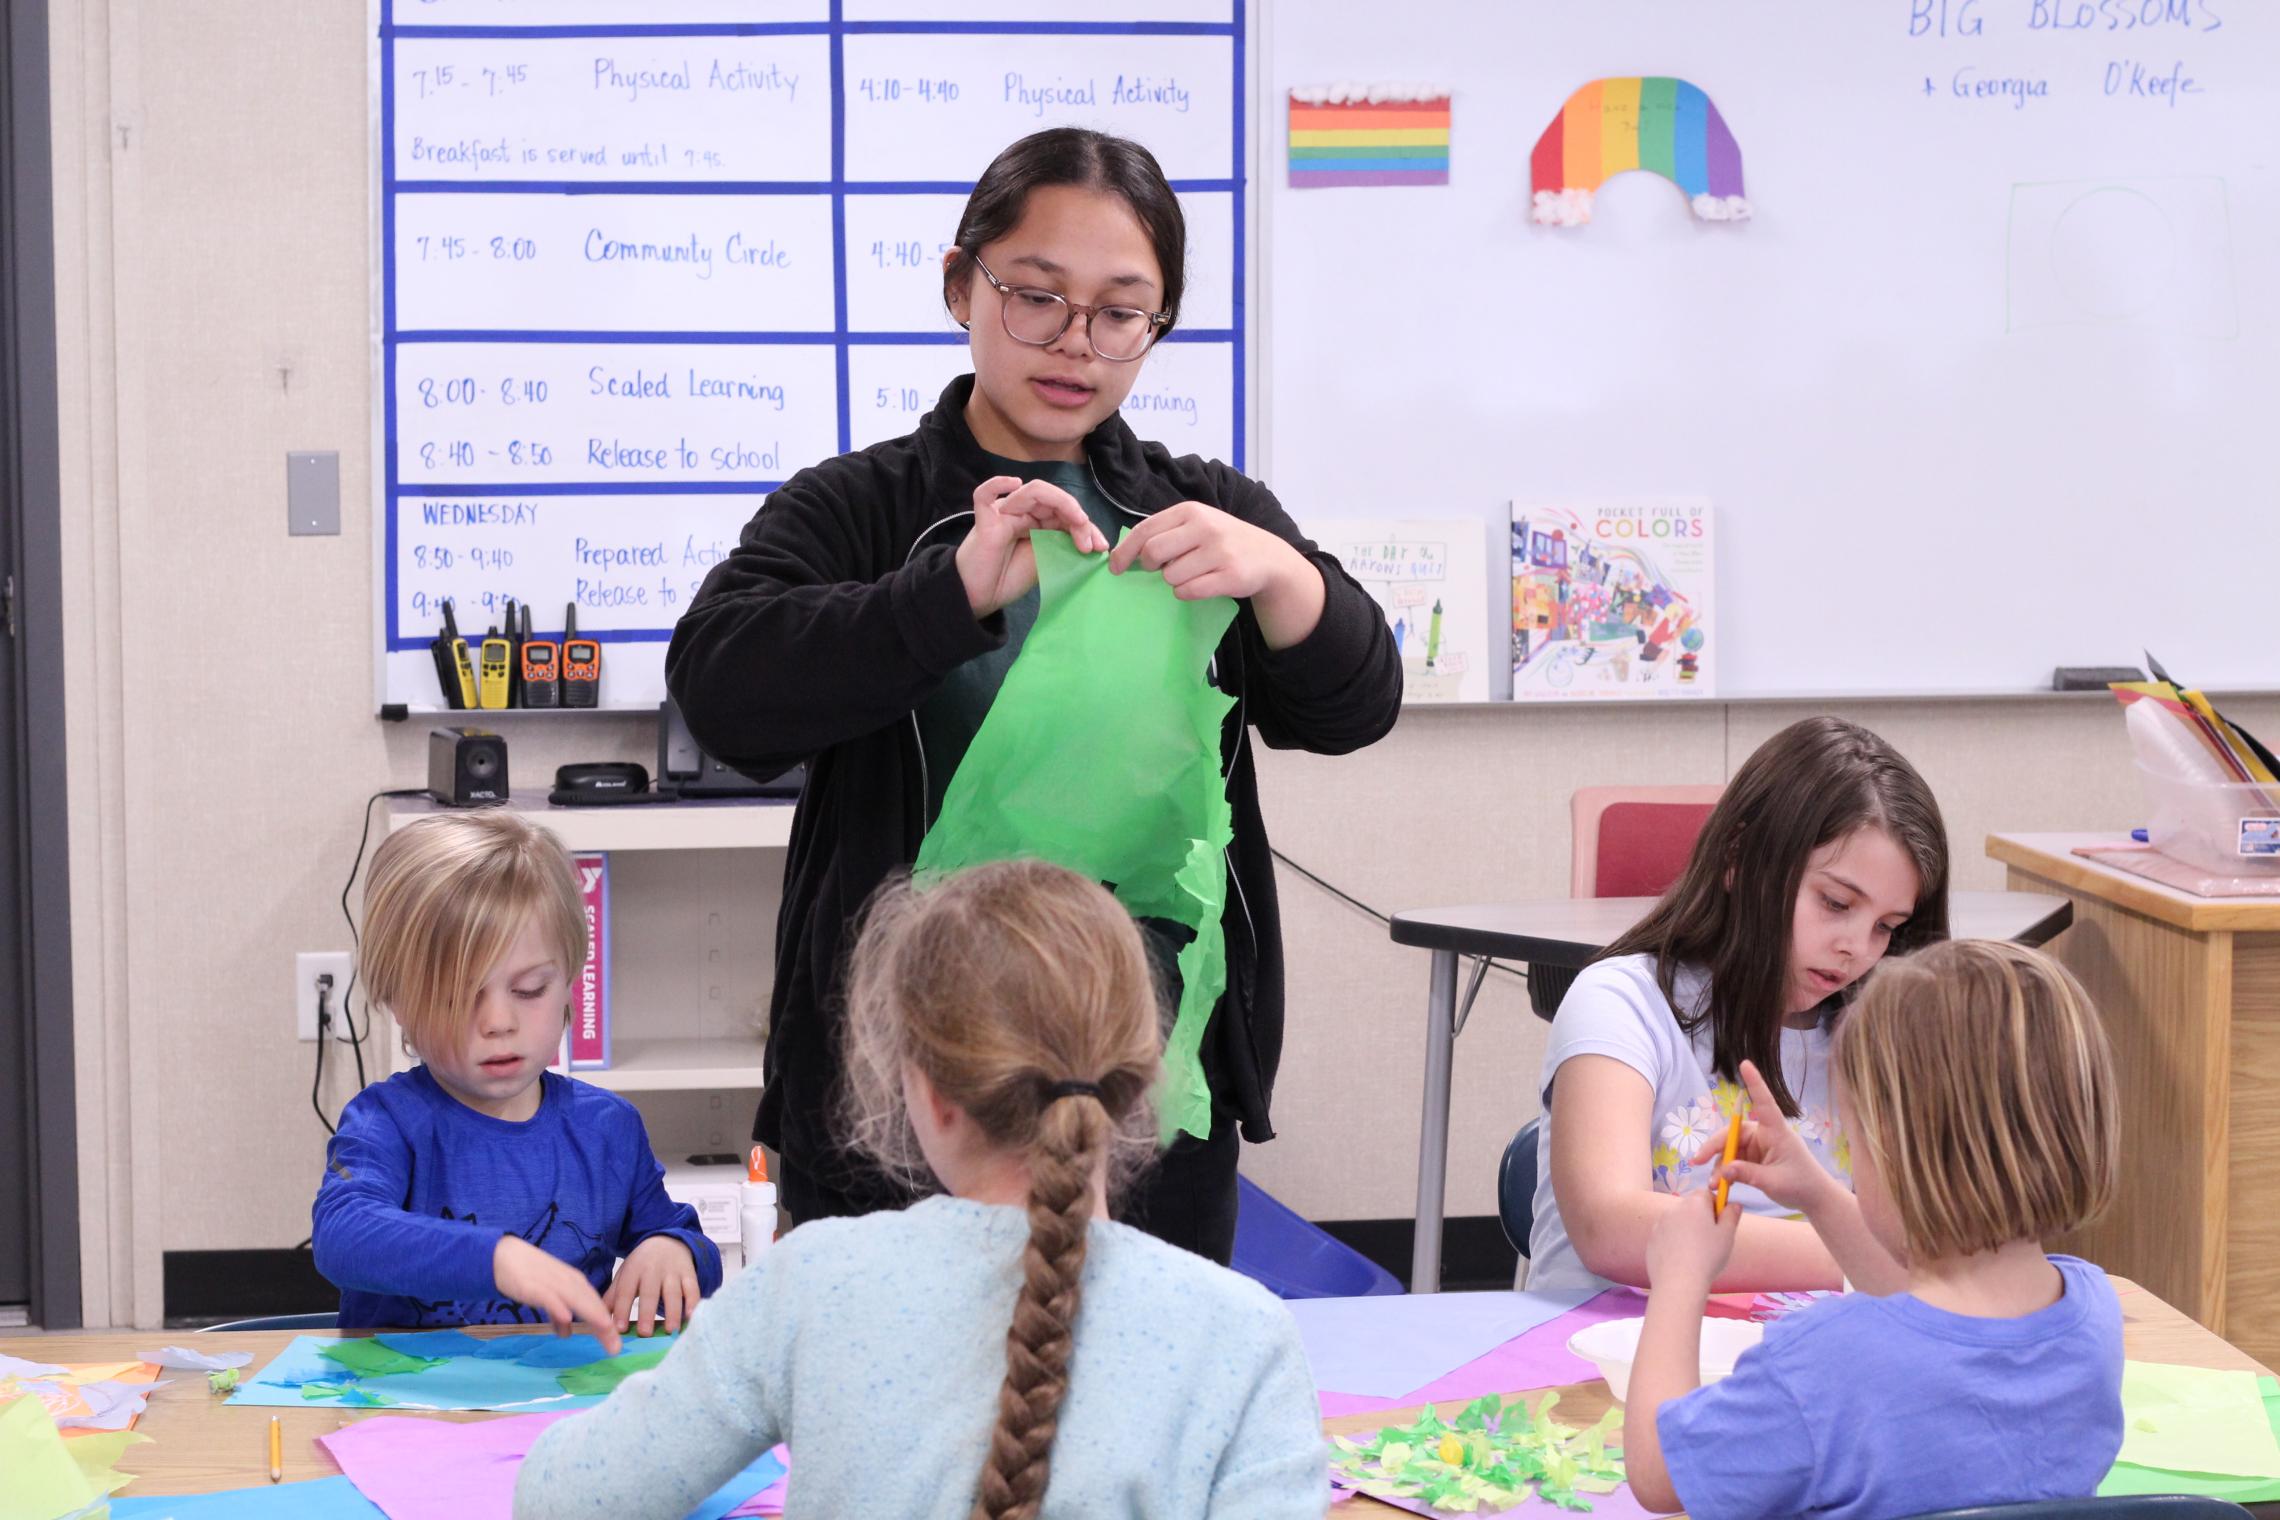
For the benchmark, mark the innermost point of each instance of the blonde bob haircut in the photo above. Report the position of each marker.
(1979, 1079)
(446, 898)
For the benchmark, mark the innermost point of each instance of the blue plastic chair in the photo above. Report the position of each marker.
(1292, 1258)
(1516, 1186)
(2121, 1507)
(326, 1321)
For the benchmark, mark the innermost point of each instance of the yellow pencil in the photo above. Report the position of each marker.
(276, 1450)
(1733, 1144)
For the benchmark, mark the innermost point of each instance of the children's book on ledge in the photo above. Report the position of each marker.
(1612, 600)
(1430, 575)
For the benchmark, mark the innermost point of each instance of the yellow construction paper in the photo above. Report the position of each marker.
(2195, 1419)
(43, 1479)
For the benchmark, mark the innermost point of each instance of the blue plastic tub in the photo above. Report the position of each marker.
(1293, 1259)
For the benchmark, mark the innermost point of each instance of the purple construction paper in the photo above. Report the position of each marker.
(1619, 1505)
(1302, 179)
(770, 1500)
(1537, 1359)
(1722, 154)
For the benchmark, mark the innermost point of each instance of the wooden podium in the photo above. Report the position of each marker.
(2190, 990)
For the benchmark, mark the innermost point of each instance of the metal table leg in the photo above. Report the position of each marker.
(1433, 1136)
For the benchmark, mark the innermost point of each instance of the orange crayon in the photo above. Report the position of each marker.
(1733, 1144)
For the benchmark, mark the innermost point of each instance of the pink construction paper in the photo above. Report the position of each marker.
(422, 1469)
(770, 1500)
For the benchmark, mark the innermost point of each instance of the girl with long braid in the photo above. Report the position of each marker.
(1003, 1036)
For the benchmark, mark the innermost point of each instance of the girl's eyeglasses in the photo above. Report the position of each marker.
(1038, 317)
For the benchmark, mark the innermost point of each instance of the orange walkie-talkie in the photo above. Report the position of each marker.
(581, 665)
(541, 667)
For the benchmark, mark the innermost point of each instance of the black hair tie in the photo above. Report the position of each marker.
(1056, 1091)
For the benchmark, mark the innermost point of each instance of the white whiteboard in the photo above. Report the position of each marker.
(638, 261)
(1988, 384)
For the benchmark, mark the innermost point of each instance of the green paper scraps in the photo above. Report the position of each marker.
(349, 1391)
(2240, 1481)
(1101, 754)
(2195, 1419)
(368, 1358)
(221, 1380)
(1490, 1457)
(602, 1377)
(48, 1476)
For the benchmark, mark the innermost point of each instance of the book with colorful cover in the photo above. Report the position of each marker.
(590, 992)
(1612, 600)
(1430, 576)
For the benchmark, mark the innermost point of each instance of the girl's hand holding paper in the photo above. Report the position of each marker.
(1203, 552)
(996, 561)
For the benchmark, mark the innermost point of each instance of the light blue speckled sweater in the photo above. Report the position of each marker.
(876, 1346)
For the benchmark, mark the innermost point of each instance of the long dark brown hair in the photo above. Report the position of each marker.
(1731, 912)
(1091, 161)
(1001, 984)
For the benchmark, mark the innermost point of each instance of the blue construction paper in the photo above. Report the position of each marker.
(338, 1499)
(765, 1469)
(322, 1499)
(1385, 1346)
(547, 1350)
(526, 1384)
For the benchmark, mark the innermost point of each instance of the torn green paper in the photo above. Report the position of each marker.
(2196, 1419)
(1491, 1457)
(1101, 754)
(368, 1358)
(2134, 1478)
(602, 1377)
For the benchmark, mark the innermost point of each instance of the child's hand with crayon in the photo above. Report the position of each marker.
(1691, 1245)
(1770, 1156)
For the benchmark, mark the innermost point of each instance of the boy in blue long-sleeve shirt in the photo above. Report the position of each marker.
(480, 1188)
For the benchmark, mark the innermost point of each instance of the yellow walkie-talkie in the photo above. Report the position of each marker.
(454, 672)
(497, 669)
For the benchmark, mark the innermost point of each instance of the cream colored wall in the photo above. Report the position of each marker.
(212, 227)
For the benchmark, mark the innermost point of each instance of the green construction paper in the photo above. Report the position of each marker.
(2132, 1478)
(1101, 754)
(368, 1358)
(44, 1477)
(1493, 1456)
(602, 1377)
(2196, 1419)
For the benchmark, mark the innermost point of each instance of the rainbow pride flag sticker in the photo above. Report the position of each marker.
(1664, 126)
(1350, 134)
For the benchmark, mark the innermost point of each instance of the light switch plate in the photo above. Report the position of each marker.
(312, 493)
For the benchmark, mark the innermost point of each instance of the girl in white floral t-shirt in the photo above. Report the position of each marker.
(1825, 853)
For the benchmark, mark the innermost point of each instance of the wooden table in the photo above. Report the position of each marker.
(200, 1444)
(2190, 991)
(1556, 938)
(2152, 1331)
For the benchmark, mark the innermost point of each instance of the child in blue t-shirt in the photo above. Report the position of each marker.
(479, 1187)
(1978, 1090)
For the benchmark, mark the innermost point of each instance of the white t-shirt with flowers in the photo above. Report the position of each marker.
(1615, 1009)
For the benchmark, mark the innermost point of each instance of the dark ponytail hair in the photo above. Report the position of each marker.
(1088, 160)
(1810, 785)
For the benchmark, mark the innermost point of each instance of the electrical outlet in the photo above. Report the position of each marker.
(307, 967)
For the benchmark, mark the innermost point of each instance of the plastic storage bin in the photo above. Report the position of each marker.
(2228, 828)
(1293, 1259)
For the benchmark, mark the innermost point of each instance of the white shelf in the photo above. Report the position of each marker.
(739, 824)
(638, 1065)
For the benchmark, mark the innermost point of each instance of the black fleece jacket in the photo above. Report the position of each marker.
(841, 610)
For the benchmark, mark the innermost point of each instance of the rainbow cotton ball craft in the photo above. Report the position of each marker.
(1664, 126)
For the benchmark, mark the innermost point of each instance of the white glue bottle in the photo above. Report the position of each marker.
(756, 1213)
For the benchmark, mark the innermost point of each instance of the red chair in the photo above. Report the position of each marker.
(1633, 841)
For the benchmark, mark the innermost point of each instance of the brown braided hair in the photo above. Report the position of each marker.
(1006, 986)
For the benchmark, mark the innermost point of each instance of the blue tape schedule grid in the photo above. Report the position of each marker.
(641, 260)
